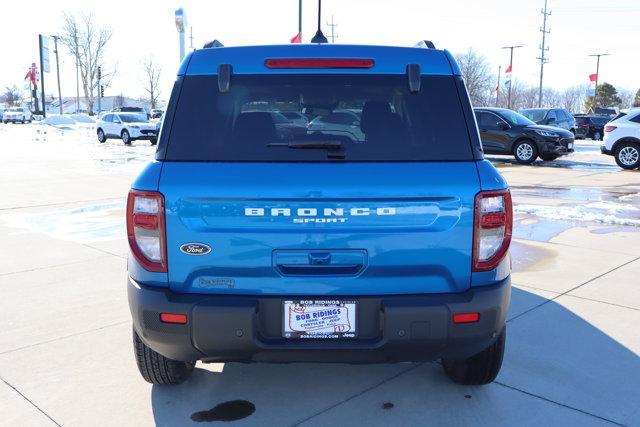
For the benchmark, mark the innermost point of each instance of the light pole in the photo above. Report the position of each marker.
(595, 92)
(498, 86)
(55, 47)
(510, 70)
(181, 24)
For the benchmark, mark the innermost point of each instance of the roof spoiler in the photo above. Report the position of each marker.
(426, 44)
(213, 43)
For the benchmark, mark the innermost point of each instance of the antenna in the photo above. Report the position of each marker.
(319, 37)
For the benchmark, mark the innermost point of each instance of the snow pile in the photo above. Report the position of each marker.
(600, 212)
(58, 120)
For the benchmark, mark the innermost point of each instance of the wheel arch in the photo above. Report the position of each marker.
(522, 139)
(622, 140)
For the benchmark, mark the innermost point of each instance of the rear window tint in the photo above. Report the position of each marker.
(350, 118)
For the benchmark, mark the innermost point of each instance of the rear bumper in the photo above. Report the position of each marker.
(604, 150)
(394, 328)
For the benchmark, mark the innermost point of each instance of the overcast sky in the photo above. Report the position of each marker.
(144, 29)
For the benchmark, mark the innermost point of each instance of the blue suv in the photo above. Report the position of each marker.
(256, 239)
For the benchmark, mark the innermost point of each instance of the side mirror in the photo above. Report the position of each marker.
(551, 120)
(502, 125)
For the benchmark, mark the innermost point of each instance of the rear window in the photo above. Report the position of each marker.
(350, 118)
(618, 116)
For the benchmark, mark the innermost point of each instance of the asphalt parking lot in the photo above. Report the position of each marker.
(66, 357)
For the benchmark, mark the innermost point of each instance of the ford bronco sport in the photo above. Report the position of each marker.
(254, 241)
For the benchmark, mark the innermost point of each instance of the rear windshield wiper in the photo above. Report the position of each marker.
(334, 148)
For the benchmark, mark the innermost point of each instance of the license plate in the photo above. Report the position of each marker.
(570, 146)
(319, 319)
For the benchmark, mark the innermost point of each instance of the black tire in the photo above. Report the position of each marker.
(126, 138)
(627, 155)
(154, 141)
(101, 136)
(479, 369)
(525, 152)
(549, 157)
(597, 136)
(157, 369)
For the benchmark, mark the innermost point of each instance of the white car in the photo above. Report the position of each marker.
(622, 138)
(340, 123)
(296, 118)
(126, 126)
(17, 114)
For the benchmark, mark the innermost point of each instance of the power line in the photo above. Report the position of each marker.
(543, 49)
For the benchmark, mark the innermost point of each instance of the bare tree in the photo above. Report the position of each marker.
(152, 73)
(11, 95)
(573, 98)
(477, 76)
(529, 97)
(87, 43)
(626, 98)
(551, 98)
(118, 101)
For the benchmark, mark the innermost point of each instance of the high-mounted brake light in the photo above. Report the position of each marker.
(493, 221)
(610, 128)
(318, 63)
(146, 229)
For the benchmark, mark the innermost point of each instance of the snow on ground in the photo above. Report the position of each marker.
(87, 224)
(599, 212)
(73, 143)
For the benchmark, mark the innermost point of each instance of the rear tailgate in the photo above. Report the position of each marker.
(320, 228)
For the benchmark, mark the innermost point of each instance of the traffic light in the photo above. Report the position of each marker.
(99, 73)
(101, 91)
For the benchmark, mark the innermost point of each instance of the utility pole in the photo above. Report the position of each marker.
(511, 70)
(333, 27)
(41, 43)
(498, 86)
(543, 49)
(99, 90)
(55, 50)
(595, 92)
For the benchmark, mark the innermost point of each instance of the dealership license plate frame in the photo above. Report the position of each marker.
(344, 326)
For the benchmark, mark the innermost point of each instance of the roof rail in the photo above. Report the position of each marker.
(427, 44)
(213, 43)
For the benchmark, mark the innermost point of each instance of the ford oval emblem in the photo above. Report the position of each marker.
(195, 249)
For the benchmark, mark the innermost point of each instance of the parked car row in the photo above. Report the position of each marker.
(529, 135)
(504, 131)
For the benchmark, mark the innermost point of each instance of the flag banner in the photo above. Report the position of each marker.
(297, 38)
(507, 77)
(591, 90)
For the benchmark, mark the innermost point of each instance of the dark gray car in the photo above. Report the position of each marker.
(556, 117)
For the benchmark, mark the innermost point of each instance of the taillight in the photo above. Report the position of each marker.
(146, 229)
(492, 228)
(610, 128)
(318, 63)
